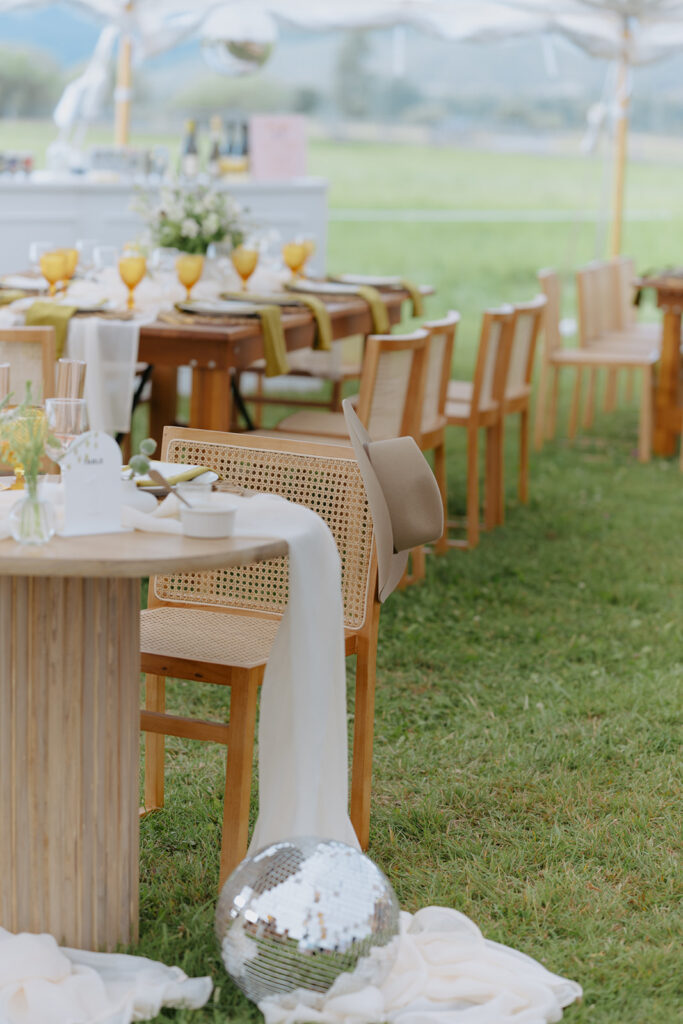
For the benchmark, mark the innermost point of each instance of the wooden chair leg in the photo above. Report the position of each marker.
(363, 729)
(155, 744)
(257, 416)
(441, 545)
(541, 402)
(646, 417)
(500, 474)
(551, 425)
(610, 401)
(492, 478)
(589, 407)
(472, 487)
(336, 399)
(630, 384)
(418, 559)
(243, 699)
(523, 480)
(576, 400)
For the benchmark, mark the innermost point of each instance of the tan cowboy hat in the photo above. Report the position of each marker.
(404, 499)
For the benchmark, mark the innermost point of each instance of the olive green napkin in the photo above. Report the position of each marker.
(378, 310)
(323, 324)
(416, 296)
(8, 295)
(274, 344)
(50, 314)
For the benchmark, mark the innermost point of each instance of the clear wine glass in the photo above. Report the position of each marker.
(67, 419)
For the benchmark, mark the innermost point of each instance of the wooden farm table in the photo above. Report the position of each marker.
(69, 725)
(668, 397)
(213, 351)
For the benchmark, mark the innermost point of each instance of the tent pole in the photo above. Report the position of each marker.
(122, 93)
(621, 145)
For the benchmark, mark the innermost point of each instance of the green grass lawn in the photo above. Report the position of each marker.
(527, 760)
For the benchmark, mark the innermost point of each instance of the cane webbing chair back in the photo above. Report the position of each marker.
(438, 370)
(624, 272)
(392, 384)
(597, 299)
(490, 373)
(30, 351)
(302, 472)
(549, 281)
(528, 316)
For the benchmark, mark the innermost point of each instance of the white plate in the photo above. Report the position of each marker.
(89, 307)
(169, 470)
(322, 287)
(218, 307)
(368, 279)
(23, 282)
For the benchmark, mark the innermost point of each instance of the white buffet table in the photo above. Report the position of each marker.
(62, 210)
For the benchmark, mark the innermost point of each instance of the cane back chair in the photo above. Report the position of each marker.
(555, 356)
(479, 403)
(218, 627)
(31, 353)
(390, 395)
(432, 424)
(528, 320)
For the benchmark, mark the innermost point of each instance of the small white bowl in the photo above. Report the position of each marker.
(216, 519)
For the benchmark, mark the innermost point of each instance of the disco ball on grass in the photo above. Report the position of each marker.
(300, 912)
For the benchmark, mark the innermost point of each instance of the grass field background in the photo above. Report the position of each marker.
(527, 764)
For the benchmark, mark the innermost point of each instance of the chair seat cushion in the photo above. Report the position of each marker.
(218, 638)
(310, 421)
(459, 391)
(457, 410)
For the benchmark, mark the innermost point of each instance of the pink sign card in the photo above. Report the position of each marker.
(277, 147)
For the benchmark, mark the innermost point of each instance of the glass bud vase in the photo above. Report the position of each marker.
(32, 520)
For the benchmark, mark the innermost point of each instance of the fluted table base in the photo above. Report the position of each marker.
(69, 739)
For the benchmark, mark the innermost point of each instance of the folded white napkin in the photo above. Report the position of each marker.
(446, 972)
(43, 984)
(110, 350)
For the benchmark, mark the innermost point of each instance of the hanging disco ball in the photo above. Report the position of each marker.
(237, 41)
(300, 912)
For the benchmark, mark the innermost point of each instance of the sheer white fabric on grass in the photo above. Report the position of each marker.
(43, 984)
(446, 972)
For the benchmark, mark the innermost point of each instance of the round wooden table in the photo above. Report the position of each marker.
(69, 725)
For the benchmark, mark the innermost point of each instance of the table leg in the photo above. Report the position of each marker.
(211, 403)
(69, 740)
(164, 400)
(666, 395)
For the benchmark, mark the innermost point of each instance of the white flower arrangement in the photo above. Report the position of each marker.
(190, 219)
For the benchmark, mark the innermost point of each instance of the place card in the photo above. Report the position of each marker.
(91, 473)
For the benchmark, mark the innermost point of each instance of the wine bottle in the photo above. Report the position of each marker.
(189, 153)
(214, 164)
(226, 149)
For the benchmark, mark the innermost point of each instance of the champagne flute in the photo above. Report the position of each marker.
(309, 245)
(244, 259)
(36, 250)
(66, 420)
(132, 269)
(71, 257)
(294, 255)
(53, 268)
(189, 269)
